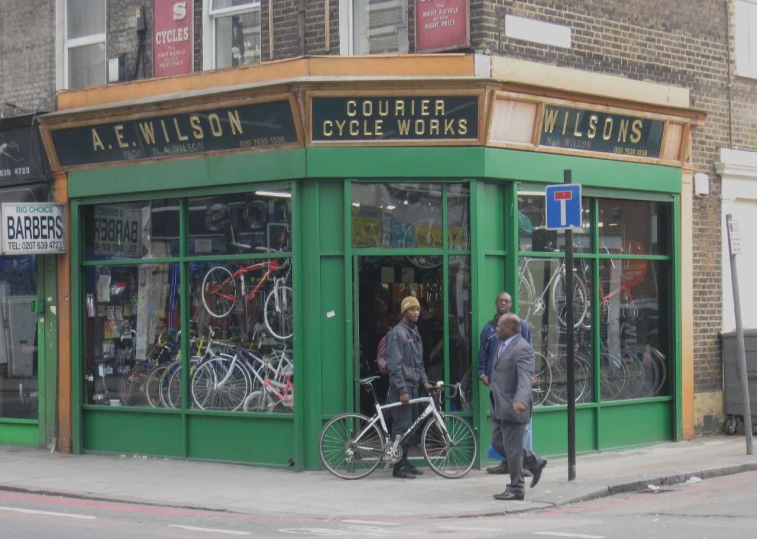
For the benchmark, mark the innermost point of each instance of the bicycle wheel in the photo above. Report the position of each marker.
(165, 383)
(152, 386)
(542, 380)
(466, 391)
(171, 394)
(131, 388)
(259, 400)
(612, 376)
(219, 291)
(578, 297)
(526, 295)
(451, 452)
(220, 384)
(278, 312)
(349, 447)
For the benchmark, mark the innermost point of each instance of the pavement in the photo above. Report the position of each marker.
(319, 495)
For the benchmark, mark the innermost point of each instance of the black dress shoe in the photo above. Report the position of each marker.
(527, 473)
(412, 470)
(500, 468)
(402, 473)
(537, 472)
(507, 496)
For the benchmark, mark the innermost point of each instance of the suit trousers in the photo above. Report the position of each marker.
(507, 439)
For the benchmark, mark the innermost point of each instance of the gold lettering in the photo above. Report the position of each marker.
(148, 132)
(178, 131)
(351, 107)
(607, 130)
(96, 141)
(215, 125)
(340, 125)
(623, 131)
(399, 107)
(549, 120)
(565, 122)
(379, 127)
(235, 122)
(439, 107)
(433, 127)
(462, 126)
(356, 131)
(449, 126)
(420, 127)
(194, 121)
(412, 107)
(165, 131)
(404, 126)
(367, 107)
(424, 107)
(328, 128)
(576, 132)
(636, 130)
(120, 136)
(593, 126)
(366, 128)
(384, 110)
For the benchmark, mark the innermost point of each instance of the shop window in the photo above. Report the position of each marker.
(132, 230)
(84, 43)
(533, 235)
(633, 227)
(746, 38)
(374, 27)
(18, 340)
(234, 36)
(256, 222)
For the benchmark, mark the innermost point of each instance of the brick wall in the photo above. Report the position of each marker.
(27, 56)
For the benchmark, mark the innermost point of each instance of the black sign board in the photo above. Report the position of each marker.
(394, 118)
(594, 131)
(260, 125)
(21, 157)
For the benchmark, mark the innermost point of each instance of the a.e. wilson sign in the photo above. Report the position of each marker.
(605, 132)
(244, 127)
(396, 118)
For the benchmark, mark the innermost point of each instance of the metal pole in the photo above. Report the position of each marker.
(740, 352)
(569, 345)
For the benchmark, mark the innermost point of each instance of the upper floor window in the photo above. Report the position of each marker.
(84, 44)
(234, 36)
(374, 27)
(746, 38)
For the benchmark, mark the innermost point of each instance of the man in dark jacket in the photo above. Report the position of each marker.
(404, 358)
(510, 395)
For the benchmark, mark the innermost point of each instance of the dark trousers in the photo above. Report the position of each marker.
(402, 418)
(507, 439)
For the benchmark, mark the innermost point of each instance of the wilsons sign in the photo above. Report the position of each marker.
(419, 118)
(595, 131)
(244, 127)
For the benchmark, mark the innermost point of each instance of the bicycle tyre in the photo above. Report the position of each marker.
(172, 388)
(542, 380)
(152, 386)
(218, 286)
(258, 401)
(165, 380)
(451, 457)
(281, 316)
(578, 297)
(131, 388)
(526, 296)
(338, 437)
(205, 393)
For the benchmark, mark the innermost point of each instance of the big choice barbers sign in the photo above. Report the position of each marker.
(595, 131)
(33, 228)
(261, 125)
(397, 118)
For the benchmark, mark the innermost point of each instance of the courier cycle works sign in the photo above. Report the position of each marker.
(260, 125)
(411, 118)
(33, 228)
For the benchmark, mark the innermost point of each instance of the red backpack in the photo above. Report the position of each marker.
(381, 363)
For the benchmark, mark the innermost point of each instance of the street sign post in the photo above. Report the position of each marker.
(563, 206)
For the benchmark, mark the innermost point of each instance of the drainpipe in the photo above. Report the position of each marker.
(302, 27)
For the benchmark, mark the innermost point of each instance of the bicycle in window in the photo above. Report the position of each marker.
(352, 446)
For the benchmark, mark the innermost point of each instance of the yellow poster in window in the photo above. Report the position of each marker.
(366, 227)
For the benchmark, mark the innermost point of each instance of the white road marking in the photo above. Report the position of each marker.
(209, 530)
(468, 529)
(371, 522)
(575, 535)
(47, 513)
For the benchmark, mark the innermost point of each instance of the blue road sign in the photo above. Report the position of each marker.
(563, 206)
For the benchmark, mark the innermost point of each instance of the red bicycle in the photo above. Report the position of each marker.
(222, 288)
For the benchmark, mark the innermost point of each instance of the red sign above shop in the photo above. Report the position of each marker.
(172, 37)
(441, 25)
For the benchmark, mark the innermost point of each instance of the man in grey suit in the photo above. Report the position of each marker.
(511, 405)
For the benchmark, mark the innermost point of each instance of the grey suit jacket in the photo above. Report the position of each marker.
(511, 381)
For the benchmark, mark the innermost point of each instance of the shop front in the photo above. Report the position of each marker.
(32, 232)
(239, 252)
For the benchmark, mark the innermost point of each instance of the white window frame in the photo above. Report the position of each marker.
(209, 28)
(68, 44)
(746, 38)
(347, 27)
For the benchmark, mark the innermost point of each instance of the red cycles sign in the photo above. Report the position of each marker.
(441, 25)
(172, 37)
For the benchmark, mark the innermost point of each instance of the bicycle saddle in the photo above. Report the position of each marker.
(367, 379)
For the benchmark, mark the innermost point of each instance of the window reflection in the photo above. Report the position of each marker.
(633, 227)
(533, 235)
